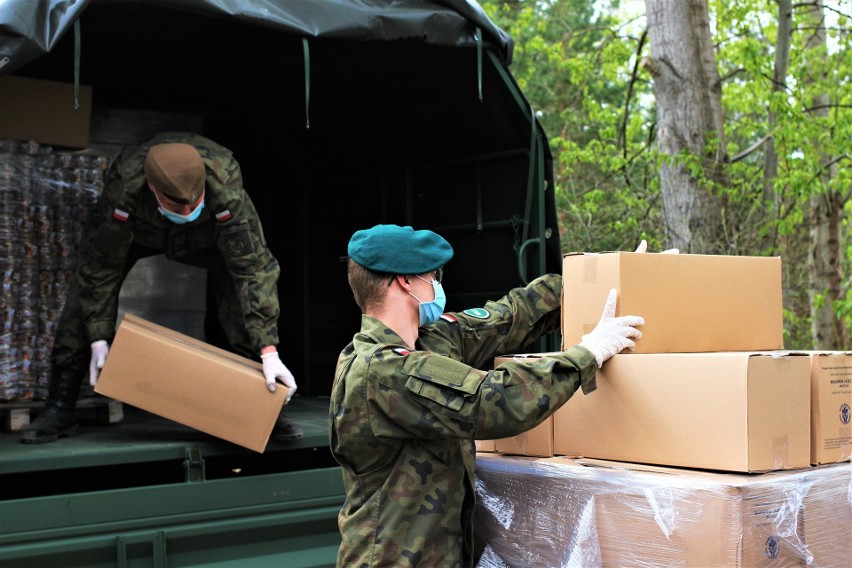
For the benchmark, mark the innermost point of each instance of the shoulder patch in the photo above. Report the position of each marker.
(238, 243)
(224, 215)
(478, 313)
(449, 318)
(120, 214)
(400, 351)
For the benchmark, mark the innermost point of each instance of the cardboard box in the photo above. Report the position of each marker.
(564, 512)
(537, 442)
(485, 446)
(35, 109)
(831, 400)
(191, 382)
(691, 303)
(731, 411)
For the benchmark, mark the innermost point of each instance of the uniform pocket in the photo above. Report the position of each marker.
(444, 381)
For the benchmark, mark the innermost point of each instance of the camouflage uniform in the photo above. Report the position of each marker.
(403, 423)
(227, 239)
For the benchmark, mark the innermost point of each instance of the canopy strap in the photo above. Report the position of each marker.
(530, 175)
(478, 38)
(77, 42)
(307, 53)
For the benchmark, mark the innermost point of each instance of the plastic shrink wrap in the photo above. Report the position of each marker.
(46, 197)
(559, 512)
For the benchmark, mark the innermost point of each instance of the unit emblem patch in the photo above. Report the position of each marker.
(238, 244)
(478, 313)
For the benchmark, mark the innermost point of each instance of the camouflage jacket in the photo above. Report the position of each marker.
(403, 422)
(127, 214)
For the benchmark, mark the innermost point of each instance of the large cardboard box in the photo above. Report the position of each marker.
(731, 411)
(35, 109)
(564, 512)
(191, 382)
(831, 399)
(691, 303)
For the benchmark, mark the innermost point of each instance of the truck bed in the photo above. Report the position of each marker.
(148, 491)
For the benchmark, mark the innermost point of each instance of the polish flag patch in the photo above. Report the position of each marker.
(449, 318)
(401, 351)
(223, 216)
(120, 214)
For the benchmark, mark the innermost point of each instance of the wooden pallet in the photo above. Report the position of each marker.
(98, 409)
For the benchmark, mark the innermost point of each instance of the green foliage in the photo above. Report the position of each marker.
(577, 63)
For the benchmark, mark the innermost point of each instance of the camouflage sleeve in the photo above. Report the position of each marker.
(506, 325)
(421, 394)
(103, 254)
(253, 268)
(519, 395)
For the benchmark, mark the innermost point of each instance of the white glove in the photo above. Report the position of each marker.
(643, 247)
(100, 350)
(274, 369)
(612, 334)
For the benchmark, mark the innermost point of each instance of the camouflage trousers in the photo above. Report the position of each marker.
(72, 347)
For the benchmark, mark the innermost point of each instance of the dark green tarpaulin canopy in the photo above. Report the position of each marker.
(30, 28)
(342, 114)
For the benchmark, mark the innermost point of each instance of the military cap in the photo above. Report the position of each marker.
(399, 250)
(177, 171)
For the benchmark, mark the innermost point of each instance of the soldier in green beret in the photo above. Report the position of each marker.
(411, 395)
(180, 194)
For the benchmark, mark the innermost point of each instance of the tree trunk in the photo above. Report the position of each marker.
(826, 211)
(779, 85)
(688, 96)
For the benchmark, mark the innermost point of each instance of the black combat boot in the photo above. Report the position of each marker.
(285, 430)
(59, 417)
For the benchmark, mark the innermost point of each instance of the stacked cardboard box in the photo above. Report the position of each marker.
(707, 385)
(707, 389)
(566, 512)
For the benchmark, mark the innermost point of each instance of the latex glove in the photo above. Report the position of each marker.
(643, 247)
(274, 369)
(612, 334)
(100, 350)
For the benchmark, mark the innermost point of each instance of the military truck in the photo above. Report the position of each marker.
(343, 114)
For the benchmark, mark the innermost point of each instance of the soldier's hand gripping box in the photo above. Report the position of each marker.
(690, 302)
(191, 382)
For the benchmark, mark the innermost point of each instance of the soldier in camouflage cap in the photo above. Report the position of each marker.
(180, 194)
(412, 392)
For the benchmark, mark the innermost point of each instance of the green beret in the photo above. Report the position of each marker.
(399, 250)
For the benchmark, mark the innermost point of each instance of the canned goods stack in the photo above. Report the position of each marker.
(45, 199)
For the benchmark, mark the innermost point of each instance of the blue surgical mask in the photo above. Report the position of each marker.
(431, 311)
(177, 218)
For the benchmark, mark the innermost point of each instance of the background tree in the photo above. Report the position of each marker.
(691, 131)
(579, 63)
(826, 202)
(570, 59)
